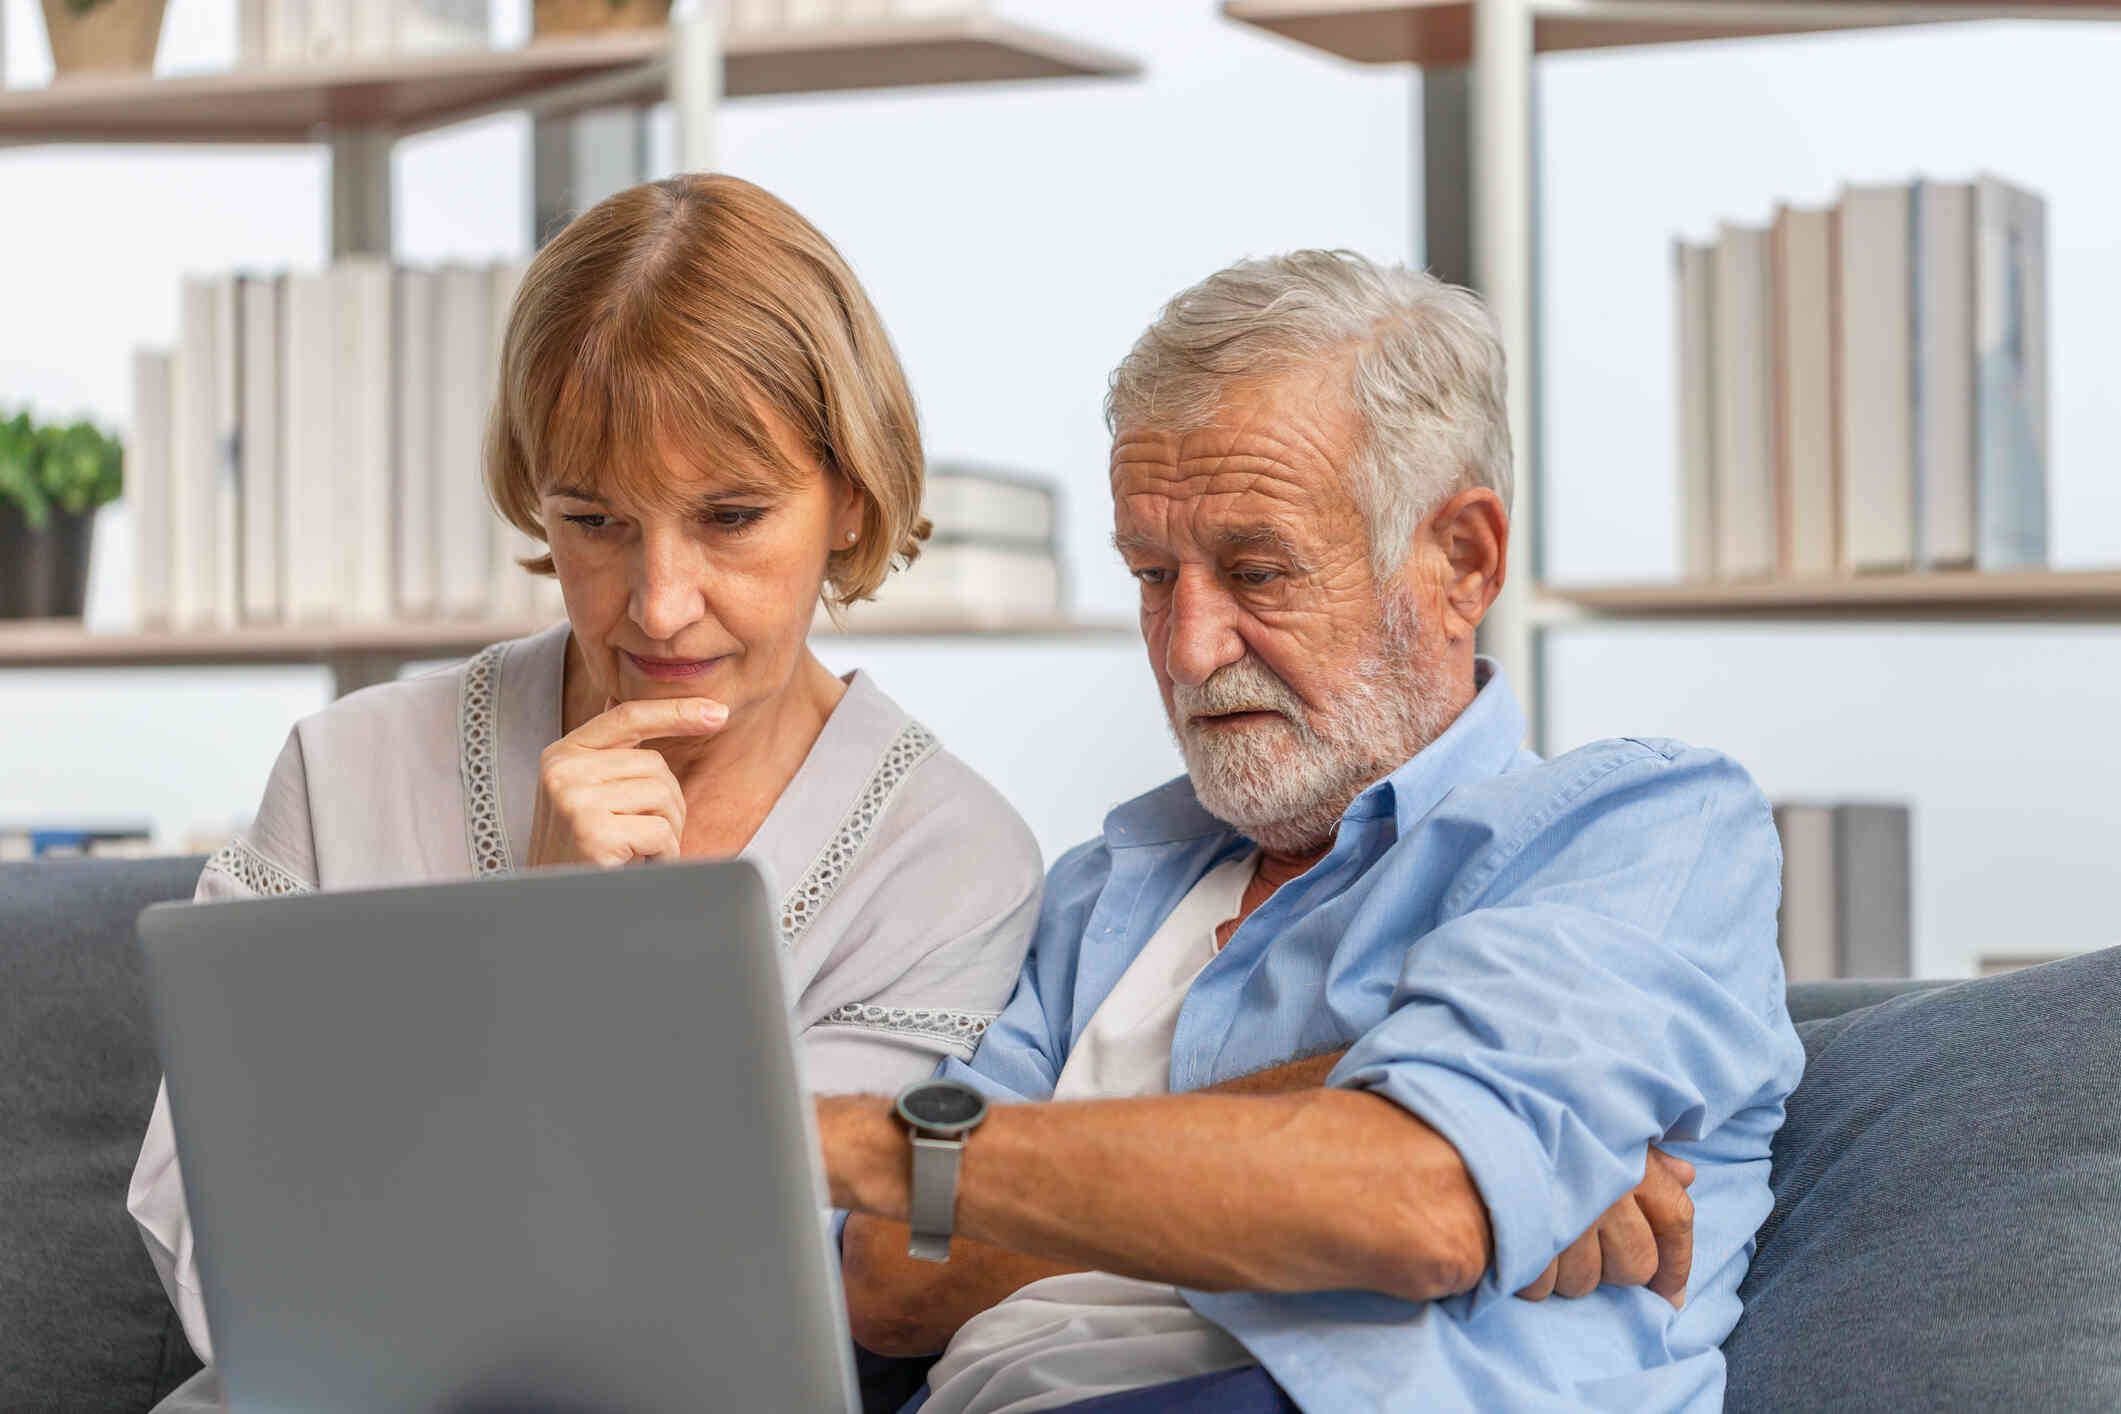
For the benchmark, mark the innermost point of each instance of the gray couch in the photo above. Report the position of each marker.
(1946, 1232)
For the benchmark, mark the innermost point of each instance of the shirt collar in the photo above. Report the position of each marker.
(1482, 742)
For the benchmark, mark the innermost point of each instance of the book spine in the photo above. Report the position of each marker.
(194, 503)
(1875, 447)
(363, 287)
(147, 486)
(253, 32)
(1943, 379)
(413, 485)
(1694, 273)
(1807, 920)
(309, 438)
(1806, 475)
(463, 536)
(1745, 453)
(2010, 385)
(227, 608)
(260, 441)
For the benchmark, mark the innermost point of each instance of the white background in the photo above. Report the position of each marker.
(1017, 237)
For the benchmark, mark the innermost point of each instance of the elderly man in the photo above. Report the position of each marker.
(1510, 976)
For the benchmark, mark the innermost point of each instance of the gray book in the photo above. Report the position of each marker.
(1807, 923)
(258, 443)
(2010, 376)
(1943, 236)
(1846, 897)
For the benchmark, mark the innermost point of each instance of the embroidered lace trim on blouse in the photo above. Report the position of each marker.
(240, 862)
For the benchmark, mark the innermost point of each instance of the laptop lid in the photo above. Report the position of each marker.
(529, 1144)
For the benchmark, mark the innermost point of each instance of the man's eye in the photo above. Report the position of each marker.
(1152, 576)
(1257, 579)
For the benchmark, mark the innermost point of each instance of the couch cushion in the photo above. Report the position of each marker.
(1947, 1220)
(83, 1321)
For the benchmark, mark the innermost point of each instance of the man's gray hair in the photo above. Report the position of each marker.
(1427, 378)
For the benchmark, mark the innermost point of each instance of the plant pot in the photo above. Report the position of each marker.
(549, 17)
(103, 36)
(43, 573)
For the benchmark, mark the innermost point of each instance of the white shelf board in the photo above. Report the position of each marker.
(410, 93)
(2063, 596)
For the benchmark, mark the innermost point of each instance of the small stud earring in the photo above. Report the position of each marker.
(853, 536)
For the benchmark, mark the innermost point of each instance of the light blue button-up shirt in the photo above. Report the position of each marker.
(1552, 963)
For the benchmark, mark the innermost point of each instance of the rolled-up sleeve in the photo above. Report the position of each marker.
(1607, 980)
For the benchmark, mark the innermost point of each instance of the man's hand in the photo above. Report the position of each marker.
(1646, 1239)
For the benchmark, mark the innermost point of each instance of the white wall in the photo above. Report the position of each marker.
(1016, 238)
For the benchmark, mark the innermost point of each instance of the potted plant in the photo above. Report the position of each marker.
(550, 17)
(52, 479)
(103, 36)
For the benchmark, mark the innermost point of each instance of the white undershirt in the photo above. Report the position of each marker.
(1071, 1338)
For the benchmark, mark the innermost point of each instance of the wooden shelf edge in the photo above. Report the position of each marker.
(409, 93)
(1968, 595)
(1439, 33)
(65, 643)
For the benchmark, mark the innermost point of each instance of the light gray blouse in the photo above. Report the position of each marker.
(908, 886)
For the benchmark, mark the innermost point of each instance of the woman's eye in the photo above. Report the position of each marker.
(735, 517)
(588, 522)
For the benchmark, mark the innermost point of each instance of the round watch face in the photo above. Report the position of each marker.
(943, 1104)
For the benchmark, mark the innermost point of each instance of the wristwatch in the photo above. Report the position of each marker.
(938, 1114)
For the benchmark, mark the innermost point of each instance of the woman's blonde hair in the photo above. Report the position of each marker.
(675, 314)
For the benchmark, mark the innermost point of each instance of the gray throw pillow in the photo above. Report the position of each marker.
(1947, 1224)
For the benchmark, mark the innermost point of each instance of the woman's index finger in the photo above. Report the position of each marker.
(647, 718)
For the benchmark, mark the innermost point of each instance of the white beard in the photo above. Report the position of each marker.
(1285, 783)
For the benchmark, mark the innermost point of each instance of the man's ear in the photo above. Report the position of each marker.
(1468, 538)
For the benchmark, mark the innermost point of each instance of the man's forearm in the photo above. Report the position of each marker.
(1311, 1191)
(900, 1305)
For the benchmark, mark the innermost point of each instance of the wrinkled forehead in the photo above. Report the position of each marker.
(1268, 466)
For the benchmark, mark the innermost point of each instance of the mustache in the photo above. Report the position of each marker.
(1247, 685)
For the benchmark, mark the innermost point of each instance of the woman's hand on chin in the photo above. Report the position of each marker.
(604, 798)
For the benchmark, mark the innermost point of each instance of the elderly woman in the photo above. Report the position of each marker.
(700, 415)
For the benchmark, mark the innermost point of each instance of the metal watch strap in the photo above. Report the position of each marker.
(933, 1211)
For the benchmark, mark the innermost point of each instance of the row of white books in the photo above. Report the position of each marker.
(1846, 891)
(310, 452)
(1863, 388)
(992, 556)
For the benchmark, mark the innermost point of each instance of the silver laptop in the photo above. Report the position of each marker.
(535, 1144)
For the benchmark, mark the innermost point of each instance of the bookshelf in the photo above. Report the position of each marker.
(361, 654)
(359, 107)
(408, 94)
(1480, 205)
